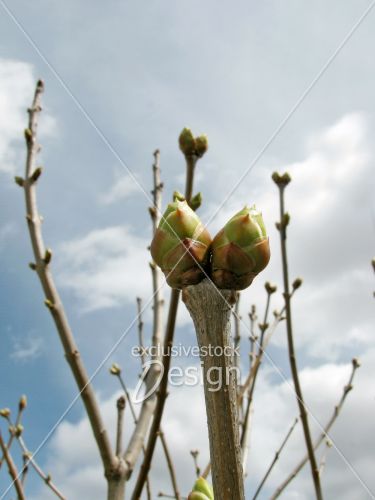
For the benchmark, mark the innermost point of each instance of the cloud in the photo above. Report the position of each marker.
(28, 348)
(105, 268)
(74, 462)
(330, 237)
(123, 188)
(17, 84)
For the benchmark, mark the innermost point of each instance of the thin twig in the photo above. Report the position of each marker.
(29, 459)
(140, 331)
(324, 435)
(168, 342)
(120, 424)
(171, 468)
(136, 444)
(53, 302)
(194, 454)
(12, 470)
(282, 182)
(323, 458)
(275, 459)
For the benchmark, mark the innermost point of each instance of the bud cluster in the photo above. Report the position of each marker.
(183, 249)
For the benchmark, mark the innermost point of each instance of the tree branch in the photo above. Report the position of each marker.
(120, 424)
(324, 435)
(168, 342)
(276, 457)
(12, 470)
(282, 182)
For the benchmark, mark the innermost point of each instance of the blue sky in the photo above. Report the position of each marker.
(142, 72)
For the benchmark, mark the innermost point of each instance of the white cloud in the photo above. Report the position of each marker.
(122, 188)
(28, 348)
(17, 84)
(330, 238)
(105, 268)
(74, 462)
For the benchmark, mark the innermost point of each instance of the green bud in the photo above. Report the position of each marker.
(180, 245)
(47, 256)
(19, 180)
(177, 196)
(201, 490)
(281, 180)
(201, 145)
(186, 142)
(196, 201)
(240, 250)
(36, 174)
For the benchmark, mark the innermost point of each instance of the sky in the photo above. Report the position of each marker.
(122, 79)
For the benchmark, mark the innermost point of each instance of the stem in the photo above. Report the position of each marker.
(323, 435)
(171, 469)
(276, 457)
(291, 350)
(168, 342)
(211, 315)
(53, 300)
(12, 470)
(120, 424)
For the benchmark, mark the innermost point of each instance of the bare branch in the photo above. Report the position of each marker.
(12, 470)
(171, 468)
(120, 424)
(282, 182)
(53, 301)
(194, 454)
(324, 435)
(168, 342)
(276, 457)
(140, 330)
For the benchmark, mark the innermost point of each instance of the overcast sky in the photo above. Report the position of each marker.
(122, 79)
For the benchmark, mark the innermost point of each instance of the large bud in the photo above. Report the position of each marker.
(201, 490)
(240, 250)
(180, 245)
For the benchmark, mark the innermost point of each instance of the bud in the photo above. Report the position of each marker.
(201, 490)
(281, 180)
(373, 263)
(270, 288)
(240, 250)
(191, 145)
(18, 430)
(196, 201)
(4, 412)
(186, 142)
(115, 369)
(22, 403)
(201, 145)
(297, 283)
(356, 363)
(180, 245)
(177, 196)
(19, 180)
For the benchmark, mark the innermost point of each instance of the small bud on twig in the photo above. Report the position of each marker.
(48, 303)
(36, 174)
(196, 201)
(22, 402)
(297, 283)
(356, 363)
(115, 369)
(28, 134)
(32, 266)
(281, 180)
(4, 412)
(47, 256)
(270, 288)
(18, 430)
(19, 180)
